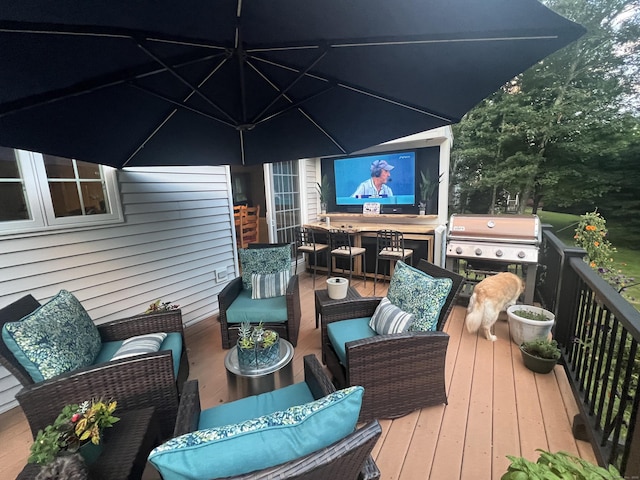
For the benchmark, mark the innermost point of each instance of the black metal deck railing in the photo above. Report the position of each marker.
(599, 332)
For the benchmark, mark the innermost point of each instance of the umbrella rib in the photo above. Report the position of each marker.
(282, 92)
(360, 91)
(180, 78)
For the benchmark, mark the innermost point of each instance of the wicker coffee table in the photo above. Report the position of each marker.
(126, 448)
(323, 300)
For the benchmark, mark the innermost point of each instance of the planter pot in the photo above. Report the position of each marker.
(259, 357)
(537, 364)
(90, 452)
(524, 329)
(337, 287)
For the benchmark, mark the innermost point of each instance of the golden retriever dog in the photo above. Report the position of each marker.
(490, 297)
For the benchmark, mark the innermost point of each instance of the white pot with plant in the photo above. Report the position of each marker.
(324, 191)
(528, 322)
(427, 189)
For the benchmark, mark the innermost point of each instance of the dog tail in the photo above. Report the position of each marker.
(475, 314)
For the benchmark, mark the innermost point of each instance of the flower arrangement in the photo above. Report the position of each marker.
(160, 306)
(257, 346)
(75, 426)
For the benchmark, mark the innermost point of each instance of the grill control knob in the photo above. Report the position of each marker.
(478, 251)
(521, 254)
(499, 253)
(459, 250)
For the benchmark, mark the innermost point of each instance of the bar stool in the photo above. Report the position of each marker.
(342, 248)
(306, 243)
(390, 246)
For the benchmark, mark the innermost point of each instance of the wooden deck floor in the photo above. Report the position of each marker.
(496, 406)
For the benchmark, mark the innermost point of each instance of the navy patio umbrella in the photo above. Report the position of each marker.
(209, 82)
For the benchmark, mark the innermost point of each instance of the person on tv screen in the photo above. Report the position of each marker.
(376, 186)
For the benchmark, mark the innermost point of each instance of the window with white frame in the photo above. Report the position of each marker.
(286, 195)
(41, 192)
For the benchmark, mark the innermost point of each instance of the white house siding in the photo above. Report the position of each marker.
(178, 232)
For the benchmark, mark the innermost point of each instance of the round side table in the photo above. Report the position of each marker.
(244, 382)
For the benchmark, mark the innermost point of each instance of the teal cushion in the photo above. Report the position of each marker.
(420, 294)
(173, 342)
(347, 331)
(56, 338)
(389, 319)
(269, 285)
(255, 406)
(260, 442)
(245, 309)
(263, 260)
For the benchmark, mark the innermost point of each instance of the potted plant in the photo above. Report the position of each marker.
(257, 347)
(76, 428)
(540, 355)
(528, 322)
(324, 191)
(160, 306)
(427, 188)
(557, 465)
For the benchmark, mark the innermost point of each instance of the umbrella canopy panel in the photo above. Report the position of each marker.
(159, 82)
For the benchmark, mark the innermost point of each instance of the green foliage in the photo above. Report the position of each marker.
(73, 427)
(528, 314)
(324, 189)
(591, 234)
(256, 336)
(427, 186)
(542, 348)
(560, 466)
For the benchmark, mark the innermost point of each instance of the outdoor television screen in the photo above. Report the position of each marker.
(385, 178)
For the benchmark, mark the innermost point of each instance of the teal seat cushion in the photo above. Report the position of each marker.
(263, 260)
(420, 294)
(255, 406)
(56, 338)
(246, 309)
(173, 342)
(260, 442)
(346, 331)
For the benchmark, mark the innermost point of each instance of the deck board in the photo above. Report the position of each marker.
(496, 406)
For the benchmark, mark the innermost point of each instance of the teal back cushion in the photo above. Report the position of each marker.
(420, 294)
(263, 260)
(56, 338)
(260, 442)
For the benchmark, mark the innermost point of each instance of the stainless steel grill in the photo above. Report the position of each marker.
(490, 244)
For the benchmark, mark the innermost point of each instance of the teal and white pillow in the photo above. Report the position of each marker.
(269, 285)
(263, 260)
(56, 338)
(389, 318)
(420, 294)
(139, 345)
(261, 442)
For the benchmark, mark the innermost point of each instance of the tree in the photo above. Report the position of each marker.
(555, 131)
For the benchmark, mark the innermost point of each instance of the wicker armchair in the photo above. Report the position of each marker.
(400, 372)
(288, 329)
(136, 382)
(346, 459)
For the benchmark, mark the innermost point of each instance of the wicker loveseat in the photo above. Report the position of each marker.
(400, 372)
(345, 459)
(150, 379)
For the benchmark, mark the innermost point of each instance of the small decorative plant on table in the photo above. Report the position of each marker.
(257, 347)
(75, 428)
(540, 355)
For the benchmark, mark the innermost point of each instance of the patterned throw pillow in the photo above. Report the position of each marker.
(56, 338)
(261, 442)
(390, 319)
(416, 292)
(140, 344)
(263, 260)
(269, 285)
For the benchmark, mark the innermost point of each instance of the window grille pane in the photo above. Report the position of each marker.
(13, 200)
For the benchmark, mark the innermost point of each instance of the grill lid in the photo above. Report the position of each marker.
(495, 228)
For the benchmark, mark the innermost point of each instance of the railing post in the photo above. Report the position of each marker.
(567, 295)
